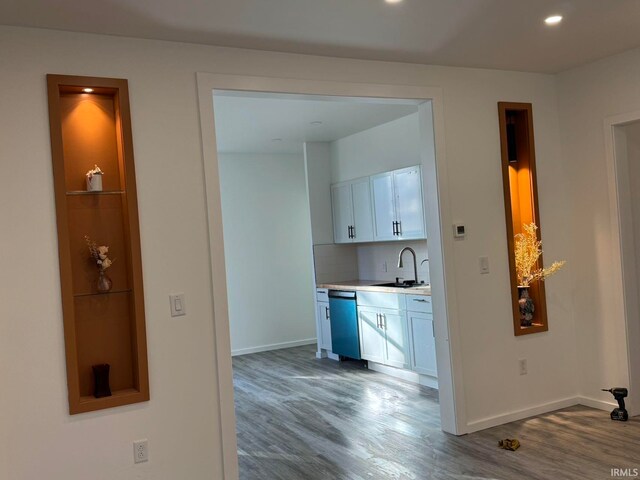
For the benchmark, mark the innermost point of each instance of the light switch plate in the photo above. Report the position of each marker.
(178, 306)
(484, 265)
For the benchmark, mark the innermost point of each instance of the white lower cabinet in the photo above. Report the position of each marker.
(323, 316)
(372, 336)
(384, 336)
(423, 343)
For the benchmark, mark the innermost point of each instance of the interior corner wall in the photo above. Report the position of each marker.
(318, 164)
(268, 252)
(587, 95)
(175, 249)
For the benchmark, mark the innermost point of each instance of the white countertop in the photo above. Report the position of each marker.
(369, 286)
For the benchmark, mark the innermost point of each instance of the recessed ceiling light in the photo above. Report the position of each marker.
(393, 1)
(87, 90)
(553, 20)
(316, 122)
(276, 139)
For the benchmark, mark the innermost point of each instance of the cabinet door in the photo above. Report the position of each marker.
(342, 212)
(383, 206)
(409, 207)
(324, 325)
(372, 336)
(362, 211)
(397, 344)
(423, 344)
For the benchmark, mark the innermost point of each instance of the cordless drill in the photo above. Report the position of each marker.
(619, 394)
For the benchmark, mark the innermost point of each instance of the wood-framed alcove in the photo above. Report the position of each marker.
(90, 125)
(521, 200)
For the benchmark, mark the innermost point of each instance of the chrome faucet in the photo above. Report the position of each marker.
(415, 266)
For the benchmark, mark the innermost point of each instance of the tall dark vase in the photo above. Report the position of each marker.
(526, 307)
(101, 380)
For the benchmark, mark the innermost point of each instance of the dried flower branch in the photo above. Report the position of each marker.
(99, 254)
(527, 252)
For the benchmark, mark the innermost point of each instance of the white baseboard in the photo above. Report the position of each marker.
(489, 422)
(406, 375)
(273, 346)
(599, 404)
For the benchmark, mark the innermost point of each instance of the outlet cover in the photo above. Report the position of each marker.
(141, 451)
(523, 366)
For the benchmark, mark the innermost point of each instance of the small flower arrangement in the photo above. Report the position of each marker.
(527, 252)
(95, 171)
(99, 254)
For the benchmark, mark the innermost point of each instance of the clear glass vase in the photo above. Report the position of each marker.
(104, 282)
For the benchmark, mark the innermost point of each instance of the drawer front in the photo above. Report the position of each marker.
(394, 301)
(419, 303)
(322, 294)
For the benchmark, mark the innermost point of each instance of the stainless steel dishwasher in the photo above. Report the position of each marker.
(345, 339)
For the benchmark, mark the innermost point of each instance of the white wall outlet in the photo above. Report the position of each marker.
(523, 366)
(484, 265)
(141, 451)
(178, 307)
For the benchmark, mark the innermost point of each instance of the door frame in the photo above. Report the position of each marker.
(437, 211)
(624, 262)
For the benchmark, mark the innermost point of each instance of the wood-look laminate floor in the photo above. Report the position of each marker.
(303, 418)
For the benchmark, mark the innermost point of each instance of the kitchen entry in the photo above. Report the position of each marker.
(324, 207)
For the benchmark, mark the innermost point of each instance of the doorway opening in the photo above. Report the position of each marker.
(622, 134)
(272, 208)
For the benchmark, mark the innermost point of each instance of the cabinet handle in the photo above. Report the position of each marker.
(433, 329)
(377, 320)
(349, 231)
(383, 318)
(395, 232)
(326, 312)
(420, 300)
(399, 228)
(353, 231)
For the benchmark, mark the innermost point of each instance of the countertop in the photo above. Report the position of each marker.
(369, 286)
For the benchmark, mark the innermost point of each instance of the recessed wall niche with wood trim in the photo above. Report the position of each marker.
(521, 201)
(102, 304)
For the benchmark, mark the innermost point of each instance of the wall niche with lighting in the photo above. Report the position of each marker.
(102, 292)
(521, 202)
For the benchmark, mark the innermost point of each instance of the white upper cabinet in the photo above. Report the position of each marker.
(362, 211)
(342, 207)
(352, 212)
(407, 186)
(383, 206)
(398, 205)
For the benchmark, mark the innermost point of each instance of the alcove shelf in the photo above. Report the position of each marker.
(521, 201)
(87, 129)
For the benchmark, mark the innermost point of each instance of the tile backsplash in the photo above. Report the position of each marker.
(338, 263)
(372, 258)
(335, 263)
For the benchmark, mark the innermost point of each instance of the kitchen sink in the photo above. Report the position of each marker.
(401, 285)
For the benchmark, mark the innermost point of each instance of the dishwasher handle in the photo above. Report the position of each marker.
(342, 294)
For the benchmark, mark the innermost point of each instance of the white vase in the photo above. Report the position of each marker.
(94, 183)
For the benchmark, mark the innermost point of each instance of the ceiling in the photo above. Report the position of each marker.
(503, 34)
(249, 123)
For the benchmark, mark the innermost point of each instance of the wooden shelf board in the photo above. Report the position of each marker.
(103, 192)
(118, 398)
(111, 292)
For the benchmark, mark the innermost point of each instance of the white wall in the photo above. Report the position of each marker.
(389, 146)
(268, 255)
(587, 95)
(175, 248)
(318, 164)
